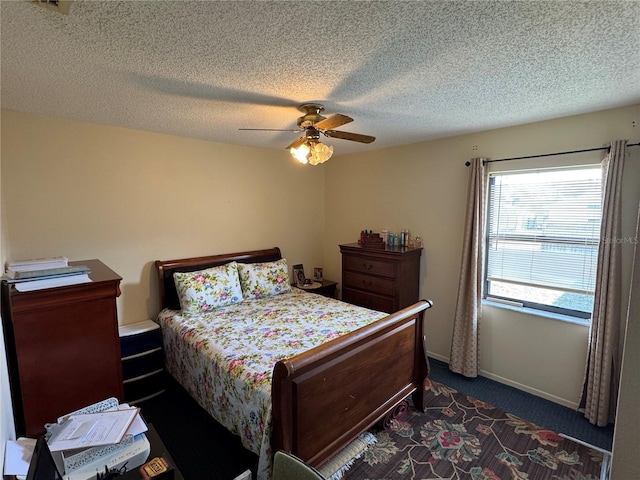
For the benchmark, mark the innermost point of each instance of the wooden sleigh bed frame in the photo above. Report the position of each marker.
(324, 398)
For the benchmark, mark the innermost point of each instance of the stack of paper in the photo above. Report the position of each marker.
(93, 429)
(84, 442)
(106, 434)
(39, 273)
(36, 264)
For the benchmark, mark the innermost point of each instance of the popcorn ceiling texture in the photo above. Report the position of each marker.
(406, 71)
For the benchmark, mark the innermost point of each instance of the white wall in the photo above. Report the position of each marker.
(423, 186)
(627, 429)
(7, 427)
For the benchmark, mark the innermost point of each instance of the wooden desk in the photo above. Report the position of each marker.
(157, 450)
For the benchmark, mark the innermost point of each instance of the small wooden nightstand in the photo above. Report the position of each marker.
(327, 289)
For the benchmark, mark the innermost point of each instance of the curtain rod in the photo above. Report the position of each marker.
(552, 154)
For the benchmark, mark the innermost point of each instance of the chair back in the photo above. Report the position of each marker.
(289, 467)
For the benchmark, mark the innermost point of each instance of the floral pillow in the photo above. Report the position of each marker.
(206, 290)
(266, 279)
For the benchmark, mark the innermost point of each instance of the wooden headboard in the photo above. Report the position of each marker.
(168, 293)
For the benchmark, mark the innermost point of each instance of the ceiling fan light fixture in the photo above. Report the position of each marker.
(312, 152)
(301, 153)
(307, 148)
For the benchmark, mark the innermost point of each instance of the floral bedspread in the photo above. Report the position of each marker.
(225, 358)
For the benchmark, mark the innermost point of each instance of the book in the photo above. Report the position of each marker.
(51, 282)
(37, 264)
(46, 272)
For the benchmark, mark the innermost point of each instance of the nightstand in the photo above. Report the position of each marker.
(327, 289)
(142, 361)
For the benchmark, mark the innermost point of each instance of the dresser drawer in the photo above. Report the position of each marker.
(368, 266)
(142, 388)
(377, 285)
(384, 279)
(138, 365)
(135, 343)
(368, 300)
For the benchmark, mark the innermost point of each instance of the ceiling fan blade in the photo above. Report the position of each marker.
(333, 121)
(355, 137)
(297, 142)
(272, 129)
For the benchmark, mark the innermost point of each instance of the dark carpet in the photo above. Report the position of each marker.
(538, 410)
(202, 449)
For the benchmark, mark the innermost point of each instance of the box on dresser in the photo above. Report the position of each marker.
(385, 279)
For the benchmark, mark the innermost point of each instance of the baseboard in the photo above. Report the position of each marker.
(519, 386)
(531, 390)
(438, 357)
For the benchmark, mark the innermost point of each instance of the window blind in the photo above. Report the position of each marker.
(544, 228)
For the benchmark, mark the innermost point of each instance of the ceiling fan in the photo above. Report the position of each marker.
(307, 148)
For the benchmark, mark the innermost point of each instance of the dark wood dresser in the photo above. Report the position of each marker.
(63, 348)
(384, 279)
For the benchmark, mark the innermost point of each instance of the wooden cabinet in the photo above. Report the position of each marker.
(385, 279)
(62, 346)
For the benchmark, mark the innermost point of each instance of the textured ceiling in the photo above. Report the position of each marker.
(406, 71)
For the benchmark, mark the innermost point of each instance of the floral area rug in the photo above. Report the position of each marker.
(459, 437)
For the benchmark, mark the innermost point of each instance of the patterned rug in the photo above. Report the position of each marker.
(459, 437)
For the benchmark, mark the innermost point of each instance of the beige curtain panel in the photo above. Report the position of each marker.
(600, 387)
(464, 343)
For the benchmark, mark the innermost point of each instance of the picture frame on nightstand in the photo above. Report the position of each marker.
(317, 274)
(298, 274)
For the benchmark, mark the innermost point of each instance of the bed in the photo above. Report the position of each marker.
(343, 367)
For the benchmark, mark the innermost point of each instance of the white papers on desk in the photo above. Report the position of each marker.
(17, 456)
(93, 429)
(51, 282)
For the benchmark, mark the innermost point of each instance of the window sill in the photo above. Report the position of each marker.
(538, 313)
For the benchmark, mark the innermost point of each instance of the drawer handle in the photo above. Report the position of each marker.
(367, 266)
(367, 283)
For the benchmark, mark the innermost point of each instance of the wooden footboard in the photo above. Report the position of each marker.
(324, 398)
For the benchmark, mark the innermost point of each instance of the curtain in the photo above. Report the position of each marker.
(464, 343)
(600, 387)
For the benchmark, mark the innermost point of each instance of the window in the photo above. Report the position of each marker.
(543, 231)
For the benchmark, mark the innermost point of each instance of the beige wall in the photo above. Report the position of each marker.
(422, 187)
(130, 197)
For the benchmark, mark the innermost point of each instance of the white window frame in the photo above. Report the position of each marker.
(516, 302)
